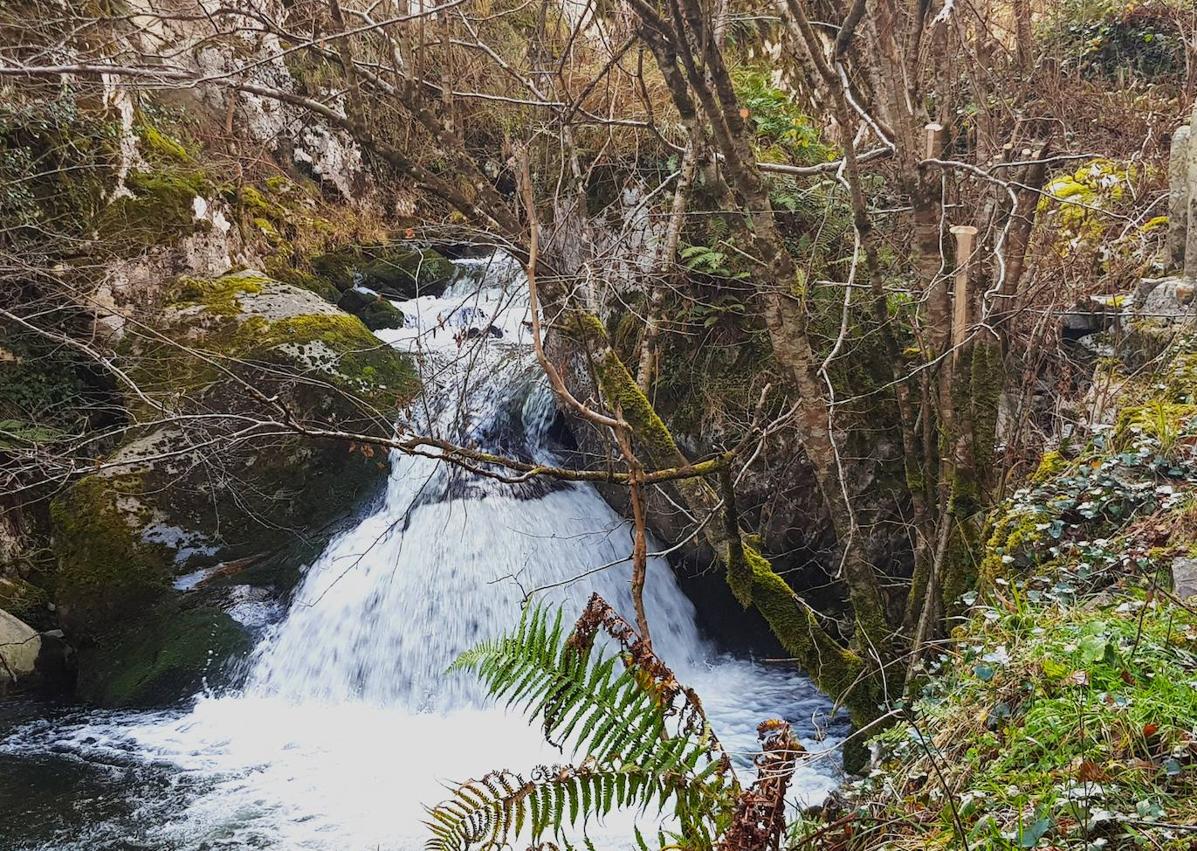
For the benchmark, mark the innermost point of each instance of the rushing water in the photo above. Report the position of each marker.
(347, 723)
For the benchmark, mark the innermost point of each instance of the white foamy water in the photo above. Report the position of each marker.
(347, 723)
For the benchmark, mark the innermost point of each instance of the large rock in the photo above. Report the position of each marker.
(194, 492)
(19, 648)
(1166, 300)
(1184, 577)
(26, 601)
(400, 271)
(171, 656)
(375, 311)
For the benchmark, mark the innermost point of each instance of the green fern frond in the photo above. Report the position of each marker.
(642, 745)
(502, 806)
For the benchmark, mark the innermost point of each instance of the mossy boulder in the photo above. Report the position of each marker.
(106, 570)
(375, 311)
(394, 270)
(160, 209)
(170, 656)
(200, 485)
(280, 268)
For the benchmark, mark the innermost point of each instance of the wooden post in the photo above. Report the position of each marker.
(962, 298)
(934, 141)
(1190, 266)
(1178, 198)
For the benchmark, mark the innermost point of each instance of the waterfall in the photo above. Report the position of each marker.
(347, 722)
(448, 559)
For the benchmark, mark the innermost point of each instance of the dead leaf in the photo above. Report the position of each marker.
(1150, 730)
(1079, 678)
(1090, 772)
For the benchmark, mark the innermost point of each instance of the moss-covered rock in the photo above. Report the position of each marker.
(106, 572)
(375, 312)
(159, 210)
(239, 347)
(157, 146)
(280, 268)
(167, 657)
(399, 270)
(381, 314)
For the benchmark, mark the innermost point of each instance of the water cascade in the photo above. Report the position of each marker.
(347, 723)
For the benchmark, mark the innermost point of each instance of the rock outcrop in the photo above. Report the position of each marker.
(233, 371)
(397, 271)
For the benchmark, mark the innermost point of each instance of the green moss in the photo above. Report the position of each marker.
(380, 314)
(106, 573)
(621, 391)
(157, 145)
(268, 230)
(840, 673)
(160, 210)
(394, 269)
(342, 348)
(281, 269)
(168, 656)
(258, 205)
(1050, 464)
(988, 377)
(218, 295)
(1075, 201)
(1014, 533)
(961, 568)
(337, 267)
(333, 346)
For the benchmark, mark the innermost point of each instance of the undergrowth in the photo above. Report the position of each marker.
(1063, 712)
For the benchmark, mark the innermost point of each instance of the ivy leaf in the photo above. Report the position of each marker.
(1094, 648)
(17, 433)
(1029, 835)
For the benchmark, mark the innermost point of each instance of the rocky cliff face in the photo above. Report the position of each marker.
(207, 291)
